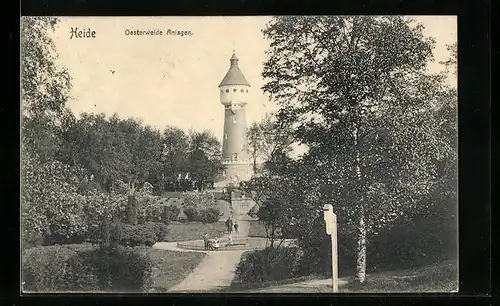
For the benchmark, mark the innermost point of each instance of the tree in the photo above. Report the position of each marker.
(275, 194)
(204, 158)
(267, 138)
(451, 63)
(175, 149)
(356, 92)
(45, 88)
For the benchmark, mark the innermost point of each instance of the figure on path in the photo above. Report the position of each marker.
(205, 240)
(229, 240)
(229, 225)
(228, 229)
(236, 228)
(216, 243)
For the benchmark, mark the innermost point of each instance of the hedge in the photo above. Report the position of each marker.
(85, 268)
(135, 235)
(269, 264)
(160, 230)
(170, 212)
(205, 215)
(209, 215)
(191, 213)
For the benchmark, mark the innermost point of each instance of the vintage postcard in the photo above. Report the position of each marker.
(286, 154)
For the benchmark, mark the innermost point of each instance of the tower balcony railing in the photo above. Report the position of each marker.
(235, 162)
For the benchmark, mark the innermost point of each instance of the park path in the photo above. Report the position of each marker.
(216, 270)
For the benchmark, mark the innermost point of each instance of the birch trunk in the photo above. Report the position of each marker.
(361, 226)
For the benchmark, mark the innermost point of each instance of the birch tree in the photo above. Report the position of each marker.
(356, 90)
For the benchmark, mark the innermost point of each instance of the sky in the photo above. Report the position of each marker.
(173, 80)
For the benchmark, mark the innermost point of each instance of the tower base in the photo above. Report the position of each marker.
(234, 174)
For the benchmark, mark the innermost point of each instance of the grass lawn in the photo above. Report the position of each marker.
(256, 229)
(171, 268)
(441, 277)
(194, 231)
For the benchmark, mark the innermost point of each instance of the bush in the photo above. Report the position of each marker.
(135, 235)
(84, 268)
(192, 213)
(160, 230)
(170, 212)
(115, 234)
(121, 269)
(55, 268)
(209, 215)
(423, 240)
(317, 259)
(270, 264)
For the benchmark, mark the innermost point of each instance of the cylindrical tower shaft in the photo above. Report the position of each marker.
(233, 94)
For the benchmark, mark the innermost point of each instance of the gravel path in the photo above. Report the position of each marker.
(216, 271)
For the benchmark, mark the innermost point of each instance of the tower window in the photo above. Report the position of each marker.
(247, 90)
(235, 156)
(242, 90)
(227, 90)
(225, 136)
(234, 90)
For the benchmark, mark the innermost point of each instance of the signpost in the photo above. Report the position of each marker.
(331, 229)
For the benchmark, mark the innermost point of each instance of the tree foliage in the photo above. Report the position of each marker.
(356, 91)
(204, 158)
(45, 88)
(266, 139)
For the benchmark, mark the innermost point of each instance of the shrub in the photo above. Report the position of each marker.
(84, 268)
(55, 268)
(423, 240)
(269, 264)
(160, 230)
(192, 213)
(317, 259)
(115, 234)
(135, 235)
(121, 269)
(170, 212)
(209, 215)
(30, 239)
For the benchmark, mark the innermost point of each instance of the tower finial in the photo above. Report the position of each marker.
(234, 47)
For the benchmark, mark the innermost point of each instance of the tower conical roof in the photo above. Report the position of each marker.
(234, 76)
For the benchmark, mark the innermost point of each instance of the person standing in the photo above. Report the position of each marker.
(205, 240)
(228, 226)
(236, 228)
(229, 240)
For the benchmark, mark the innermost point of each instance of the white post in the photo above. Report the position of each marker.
(335, 264)
(331, 229)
